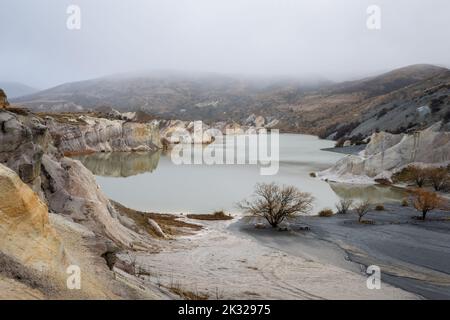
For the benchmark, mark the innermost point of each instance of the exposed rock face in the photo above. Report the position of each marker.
(177, 131)
(37, 247)
(3, 100)
(23, 141)
(85, 134)
(381, 141)
(67, 221)
(386, 153)
(65, 185)
(71, 189)
(24, 225)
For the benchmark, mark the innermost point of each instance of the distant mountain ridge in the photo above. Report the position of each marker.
(388, 101)
(16, 89)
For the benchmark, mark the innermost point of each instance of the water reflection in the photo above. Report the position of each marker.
(120, 164)
(373, 193)
(155, 183)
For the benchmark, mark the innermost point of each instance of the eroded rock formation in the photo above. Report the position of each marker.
(64, 184)
(386, 153)
(38, 182)
(24, 225)
(85, 134)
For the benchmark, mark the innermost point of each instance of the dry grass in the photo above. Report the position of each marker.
(218, 215)
(169, 224)
(326, 213)
(176, 288)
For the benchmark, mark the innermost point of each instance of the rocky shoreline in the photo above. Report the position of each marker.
(387, 154)
(53, 215)
(62, 200)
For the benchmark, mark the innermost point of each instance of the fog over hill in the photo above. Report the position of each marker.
(16, 89)
(388, 101)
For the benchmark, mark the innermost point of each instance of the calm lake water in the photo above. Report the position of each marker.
(152, 182)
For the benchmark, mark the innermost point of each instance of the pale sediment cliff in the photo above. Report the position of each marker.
(38, 248)
(24, 226)
(85, 134)
(177, 131)
(35, 179)
(387, 153)
(64, 184)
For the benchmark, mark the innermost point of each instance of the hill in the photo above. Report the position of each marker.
(402, 99)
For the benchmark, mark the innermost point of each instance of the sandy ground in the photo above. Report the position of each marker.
(413, 255)
(223, 264)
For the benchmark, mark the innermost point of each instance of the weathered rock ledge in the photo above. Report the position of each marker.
(386, 153)
(35, 180)
(77, 134)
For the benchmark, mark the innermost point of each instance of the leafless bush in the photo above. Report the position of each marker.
(276, 203)
(438, 178)
(426, 201)
(362, 209)
(344, 205)
(418, 175)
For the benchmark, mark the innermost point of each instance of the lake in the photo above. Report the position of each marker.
(152, 182)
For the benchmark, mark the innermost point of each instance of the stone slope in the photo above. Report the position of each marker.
(65, 185)
(24, 227)
(387, 153)
(36, 248)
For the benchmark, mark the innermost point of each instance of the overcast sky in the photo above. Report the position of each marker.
(328, 38)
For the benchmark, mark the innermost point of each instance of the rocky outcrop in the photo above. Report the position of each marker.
(177, 131)
(386, 153)
(86, 134)
(3, 100)
(24, 225)
(23, 141)
(37, 249)
(64, 184)
(71, 190)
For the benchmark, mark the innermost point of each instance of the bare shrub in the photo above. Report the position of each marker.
(438, 178)
(379, 207)
(343, 206)
(362, 208)
(418, 175)
(275, 203)
(425, 201)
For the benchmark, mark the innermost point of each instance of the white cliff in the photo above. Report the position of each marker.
(387, 153)
(86, 134)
